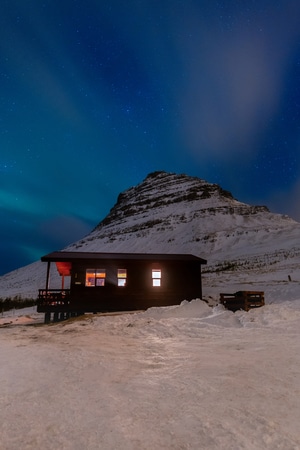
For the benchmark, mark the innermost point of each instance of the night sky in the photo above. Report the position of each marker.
(97, 94)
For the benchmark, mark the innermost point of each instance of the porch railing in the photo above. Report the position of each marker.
(54, 297)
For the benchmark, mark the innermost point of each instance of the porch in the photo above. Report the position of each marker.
(53, 300)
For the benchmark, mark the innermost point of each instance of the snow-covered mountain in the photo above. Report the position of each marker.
(170, 213)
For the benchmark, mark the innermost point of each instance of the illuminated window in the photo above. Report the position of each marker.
(122, 277)
(95, 277)
(90, 277)
(100, 277)
(156, 277)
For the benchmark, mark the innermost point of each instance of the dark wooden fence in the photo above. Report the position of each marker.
(243, 300)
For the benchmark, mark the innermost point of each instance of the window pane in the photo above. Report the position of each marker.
(100, 273)
(122, 273)
(90, 277)
(121, 281)
(156, 273)
(100, 277)
(156, 282)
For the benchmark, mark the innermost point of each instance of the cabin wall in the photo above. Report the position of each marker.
(180, 280)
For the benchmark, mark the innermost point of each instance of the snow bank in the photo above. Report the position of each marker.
(194, 308)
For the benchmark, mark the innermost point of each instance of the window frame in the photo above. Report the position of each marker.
(156, 277)
(121, 277)
(97, 277)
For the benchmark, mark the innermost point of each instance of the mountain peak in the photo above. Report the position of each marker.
(162, 189)
(168, 212)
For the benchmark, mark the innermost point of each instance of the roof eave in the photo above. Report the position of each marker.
(72, 256)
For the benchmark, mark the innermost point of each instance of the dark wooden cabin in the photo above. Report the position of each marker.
(103, 282)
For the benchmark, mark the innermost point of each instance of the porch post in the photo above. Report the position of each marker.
(48, 275)
(200, 283)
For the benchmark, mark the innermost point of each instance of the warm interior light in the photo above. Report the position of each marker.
(122, 277)
(90, 277)
(100, 273)
(122, 273)
(95, 277)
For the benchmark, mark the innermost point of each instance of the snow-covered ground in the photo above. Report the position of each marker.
(183, 377)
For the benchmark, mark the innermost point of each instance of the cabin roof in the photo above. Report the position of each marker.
(80, 256)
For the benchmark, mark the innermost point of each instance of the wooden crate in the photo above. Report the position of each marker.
(243, 300)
